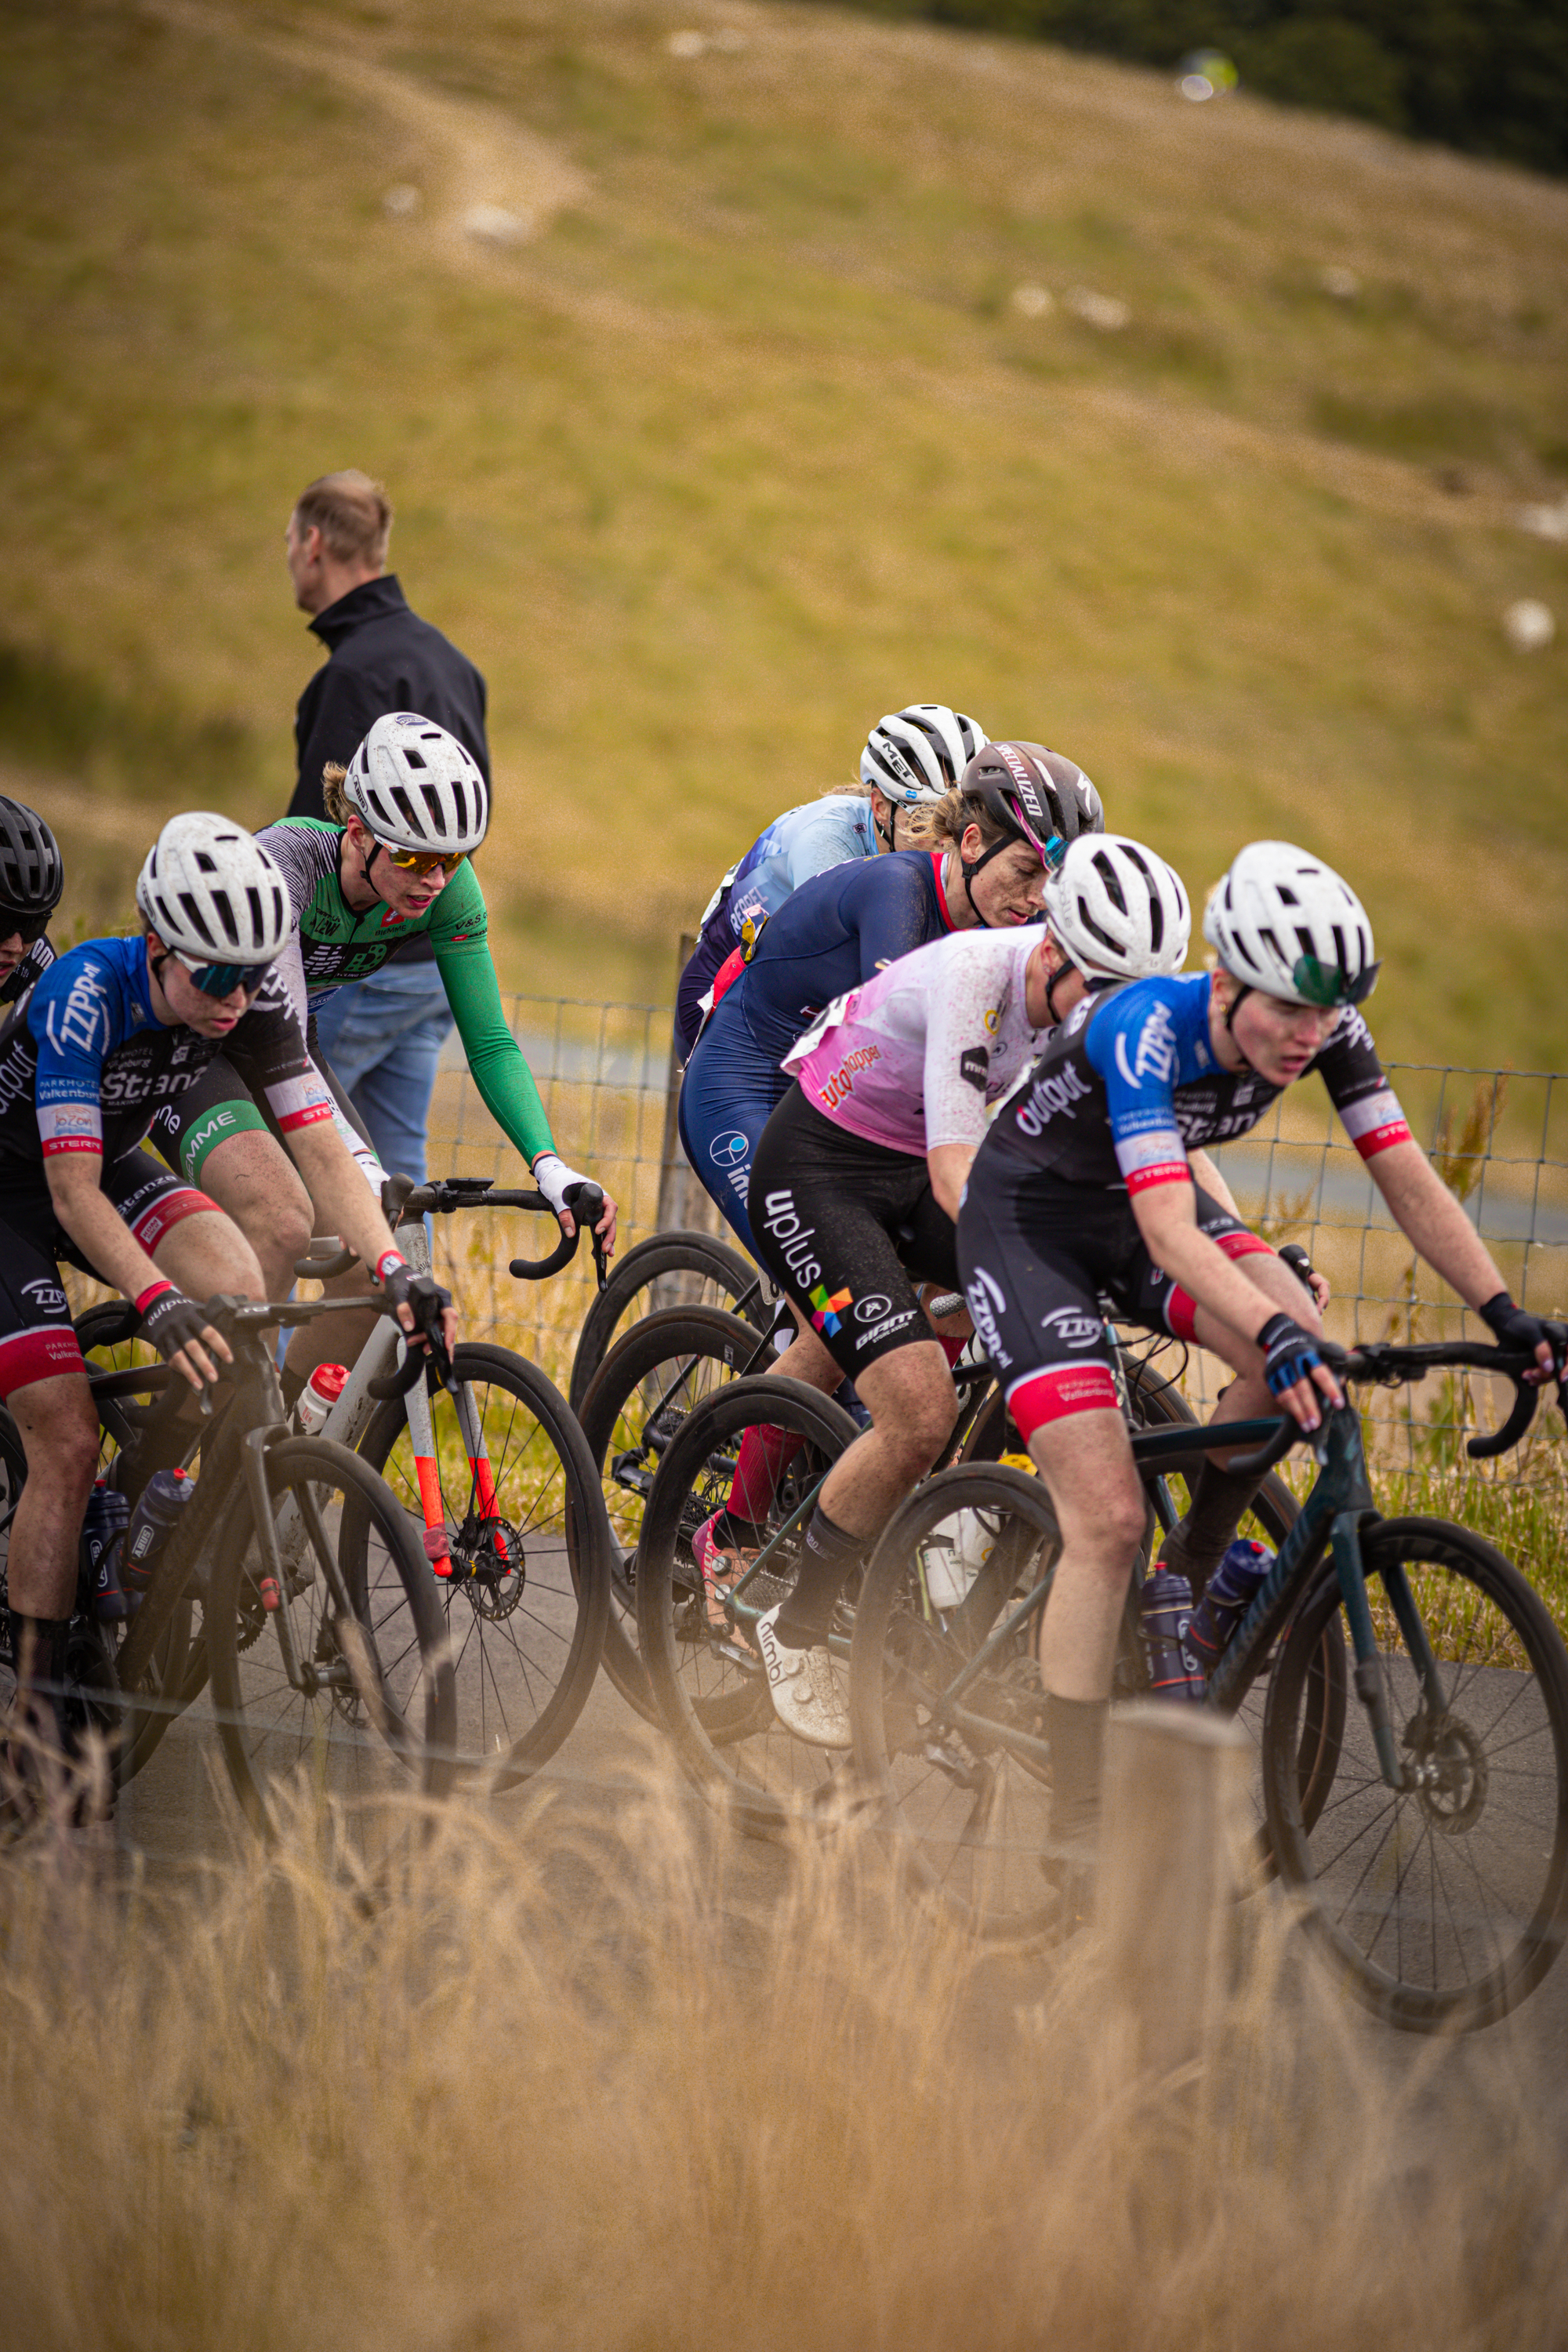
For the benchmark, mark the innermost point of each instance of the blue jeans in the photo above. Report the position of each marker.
(383, 1038)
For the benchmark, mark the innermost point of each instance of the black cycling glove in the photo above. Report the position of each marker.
(420, 1292)
(1290, 1353)
(1516, 1328)
(171, 1320)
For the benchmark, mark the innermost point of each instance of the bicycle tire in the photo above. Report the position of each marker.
(654, 1262)
(712, 1695)
(394, 1727)
(1432, 1926)
(525, 1655)
(635, 1370)
(970, 1821)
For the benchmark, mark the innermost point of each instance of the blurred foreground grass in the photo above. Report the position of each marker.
(749, 441)
(564, 2081)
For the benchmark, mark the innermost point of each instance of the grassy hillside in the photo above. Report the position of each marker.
(750, 442)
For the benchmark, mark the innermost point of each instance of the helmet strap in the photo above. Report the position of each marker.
(1051, 990)
(1244, 990)
(969, 872)
(887, 838)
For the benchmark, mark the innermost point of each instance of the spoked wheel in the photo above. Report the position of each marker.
(527, 1549)
(656, 1372)
(1444, 1902)
(344, 1683)
(702, 1666)
(674, 1269)
(963, 1776)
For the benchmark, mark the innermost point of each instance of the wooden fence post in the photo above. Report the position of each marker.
(682, 1202)
(1170, 1863)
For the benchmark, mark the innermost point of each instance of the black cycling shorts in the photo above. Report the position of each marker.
(219, 1106)
(840, 1224)
(37, 1341)
(1038, 1262)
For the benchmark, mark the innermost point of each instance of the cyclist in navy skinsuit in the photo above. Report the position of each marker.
(839, 928)
(1082, 1189)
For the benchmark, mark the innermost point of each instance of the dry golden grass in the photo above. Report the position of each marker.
(566, 2083)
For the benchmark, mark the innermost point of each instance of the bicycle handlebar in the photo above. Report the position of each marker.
(1388, 1363)
(587, 1202)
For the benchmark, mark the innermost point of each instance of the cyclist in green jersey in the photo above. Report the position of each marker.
(394, 862)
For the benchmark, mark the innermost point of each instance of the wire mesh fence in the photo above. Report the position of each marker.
(1499, 1139)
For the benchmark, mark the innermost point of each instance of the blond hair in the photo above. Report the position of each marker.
(335, 801)
(930, 824)
(353, 514)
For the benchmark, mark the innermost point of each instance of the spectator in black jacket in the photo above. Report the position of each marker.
(383, 1035)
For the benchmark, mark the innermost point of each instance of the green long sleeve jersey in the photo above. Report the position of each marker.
(332, 942)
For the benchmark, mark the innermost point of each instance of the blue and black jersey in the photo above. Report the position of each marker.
(85, 1061)
(1129, 1085)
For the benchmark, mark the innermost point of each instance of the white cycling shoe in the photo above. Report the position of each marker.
(809, 1688)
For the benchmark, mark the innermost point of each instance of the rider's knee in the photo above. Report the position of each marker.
(61, 1434)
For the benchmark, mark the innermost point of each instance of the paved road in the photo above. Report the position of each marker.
(174, 1812)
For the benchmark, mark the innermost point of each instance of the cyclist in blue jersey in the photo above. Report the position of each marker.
(911, 758)
(1009, 821)
(111, 1030)
(1082, 1191)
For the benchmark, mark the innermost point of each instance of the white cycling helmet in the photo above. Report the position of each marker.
(1117, 911)
(214, 895)
(918, 753)
(1284, 923)
(417, 788)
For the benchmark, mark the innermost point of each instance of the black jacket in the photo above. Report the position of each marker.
(383, 658)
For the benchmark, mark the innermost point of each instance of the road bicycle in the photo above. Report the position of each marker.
(292, 1547)
(492, 1472)
(1414, 1715)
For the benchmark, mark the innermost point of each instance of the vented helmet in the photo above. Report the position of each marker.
(32, 876)
(214, 895)
(1284, 923)
(919, 752)
(415, 787)
(1037, 796)
(1118, 911)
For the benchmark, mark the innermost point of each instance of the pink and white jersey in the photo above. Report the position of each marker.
(913, 1056)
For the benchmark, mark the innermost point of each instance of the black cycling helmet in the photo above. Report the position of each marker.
(32, 876)
(1035, 797)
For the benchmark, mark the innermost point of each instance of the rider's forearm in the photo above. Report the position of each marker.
(1167, 1220)
(343, 1202)
(948, 1165)
(1435, 1224)
(1206, 1176)
(102, 1234)
(496, 1061)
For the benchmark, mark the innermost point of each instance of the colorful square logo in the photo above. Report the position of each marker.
(828, 1311)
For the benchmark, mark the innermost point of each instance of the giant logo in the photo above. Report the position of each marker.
(868, 1310)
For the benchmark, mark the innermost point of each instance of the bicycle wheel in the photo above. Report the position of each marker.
(642, 1392)
(368, 1706)
(678, 1269)
(526, 1602)
(964, 1784)
(1443, 1903)
(708, 1682)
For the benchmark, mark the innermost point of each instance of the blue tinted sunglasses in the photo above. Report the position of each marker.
(223, 979)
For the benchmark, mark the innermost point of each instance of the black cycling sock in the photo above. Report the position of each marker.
(1197, 1543)
(829, 1553)
(1076, 1729)
(42, 1642)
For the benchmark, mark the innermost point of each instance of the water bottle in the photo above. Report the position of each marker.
(103, 1524)
(1228, 1598)
(163, 1498)
(1164, 1613)
(954, 1554)
(317, 1398)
